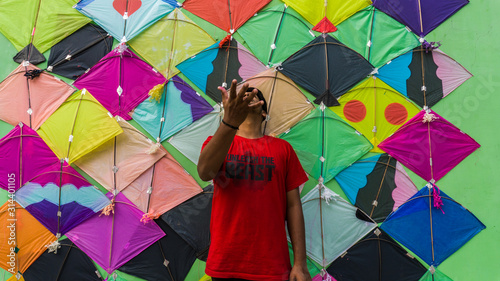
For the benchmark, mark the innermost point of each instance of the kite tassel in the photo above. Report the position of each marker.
(108, 209)
(122, 48)
(326, 193)
(156, 93)
(52, 247)
(429, 117)
(225, 41)
(429, 46)
(438, 201)
(153, 148)
(147, 217)
(33, 73)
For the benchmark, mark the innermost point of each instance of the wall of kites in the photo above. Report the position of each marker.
(111, 100)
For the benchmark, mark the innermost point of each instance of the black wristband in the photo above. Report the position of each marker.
(230, 126)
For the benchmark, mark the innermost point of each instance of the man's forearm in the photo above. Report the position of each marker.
(212, 156)
(296, 229)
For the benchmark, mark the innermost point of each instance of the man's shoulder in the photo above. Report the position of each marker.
(276, 140)
(279, 142)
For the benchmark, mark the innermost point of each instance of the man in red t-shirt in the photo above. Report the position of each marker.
(256, 179)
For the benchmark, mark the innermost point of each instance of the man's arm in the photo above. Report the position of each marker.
(236, 108)
(296, 229)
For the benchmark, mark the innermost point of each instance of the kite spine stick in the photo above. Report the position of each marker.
(326, 65)
(430, 218)
(271, 94)
(227, 64)
(374, 112)
(430, 150)
(120, 78)
(379, 260)
(230, 19)
(74, 123)
(59, 200)
(420, 17)
(276, 36)
(29, 95)
(63, 263)
(380, 186)
(371, 35)
(321, 186)
(114, 167)
(151, 186)
(424, 89)
(171, 57)
(33, 31)
(162, 122)
(125, 17)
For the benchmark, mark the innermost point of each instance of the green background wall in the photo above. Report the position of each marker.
(471, 37)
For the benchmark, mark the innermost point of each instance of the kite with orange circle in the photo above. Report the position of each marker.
(375, 109)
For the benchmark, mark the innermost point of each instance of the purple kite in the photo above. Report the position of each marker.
(120, 81)
(421, 16)
(116, 235)
(60, 198)
(429, 145)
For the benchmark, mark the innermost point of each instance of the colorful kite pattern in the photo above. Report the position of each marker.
(272, 47)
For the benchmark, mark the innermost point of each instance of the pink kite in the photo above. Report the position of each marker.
(30, 96)
(165, 185)
(429, 145)
(120, 160)
(120, 81)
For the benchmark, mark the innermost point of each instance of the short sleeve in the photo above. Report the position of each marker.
(205, 143)
(295, 174)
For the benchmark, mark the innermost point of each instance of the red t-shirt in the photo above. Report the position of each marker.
(248, 236)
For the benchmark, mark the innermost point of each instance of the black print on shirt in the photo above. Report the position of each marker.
(258, 168)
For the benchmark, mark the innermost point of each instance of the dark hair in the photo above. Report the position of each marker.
(260, 96)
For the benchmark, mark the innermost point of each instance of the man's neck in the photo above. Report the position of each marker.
(251, 127)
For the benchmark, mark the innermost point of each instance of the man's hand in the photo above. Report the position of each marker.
(299, 273)
(237, 106)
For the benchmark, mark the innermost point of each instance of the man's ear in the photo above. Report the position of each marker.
(264, 115)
